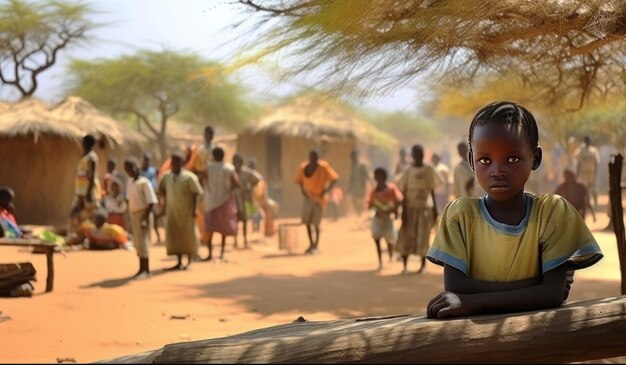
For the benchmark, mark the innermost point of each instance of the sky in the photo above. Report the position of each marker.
(200, 26)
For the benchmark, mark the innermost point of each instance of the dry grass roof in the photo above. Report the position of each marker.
(72, 119)
(313, 117)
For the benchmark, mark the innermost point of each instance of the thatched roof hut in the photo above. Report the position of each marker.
(282, 138)
(40, 145)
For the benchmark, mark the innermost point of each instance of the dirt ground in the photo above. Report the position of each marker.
(95, 312)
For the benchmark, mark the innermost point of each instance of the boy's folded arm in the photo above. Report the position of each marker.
(548, 293)
(456, 282)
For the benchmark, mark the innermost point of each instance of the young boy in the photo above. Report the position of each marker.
(385, 199)
(141, 199)
(510, 250)
(576, 193)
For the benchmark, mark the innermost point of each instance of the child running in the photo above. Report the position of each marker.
(509, 250)
(385, 199)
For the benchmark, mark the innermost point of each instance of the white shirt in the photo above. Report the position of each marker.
(218, 187)
(140, 194)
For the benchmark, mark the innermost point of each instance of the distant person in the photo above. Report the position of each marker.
(464, 181)
(419, 212)
(150, 172)
(385, 199)
(179, 189)
(587, 162)
(404, 162)
(198, 162)
(112, 173)
(100, 235)
(576, 193)
(316, 178)
(115, 204)
(8, 225)
(268, 206)
(508, 251)
(442, 192)
(248, 180)
(141, 200)
(86, 186)
(357, 185)
(220, 202)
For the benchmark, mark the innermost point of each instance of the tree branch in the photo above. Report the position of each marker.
(146, 122)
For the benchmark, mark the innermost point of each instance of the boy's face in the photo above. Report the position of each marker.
(380, 178)
(115, 189)
(502, 159)
(99, 220)
(130, 169)
(5, 201)
(177, 164)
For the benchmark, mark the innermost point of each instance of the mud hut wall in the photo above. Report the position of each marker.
(295, 150)
(42, 176)
(254, 146)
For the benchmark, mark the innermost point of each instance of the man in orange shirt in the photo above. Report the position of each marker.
(316, 178)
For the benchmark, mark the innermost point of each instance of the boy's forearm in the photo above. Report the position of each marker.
(549, 293)
(526, 299)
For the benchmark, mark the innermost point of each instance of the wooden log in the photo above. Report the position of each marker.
(578, 331)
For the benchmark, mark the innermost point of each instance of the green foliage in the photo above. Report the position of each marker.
(573, 49)
(31, 35)
(406, 127)
(157, 85)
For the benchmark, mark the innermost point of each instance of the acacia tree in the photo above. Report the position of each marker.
(571, 47)
(31, 36)
(154, 86)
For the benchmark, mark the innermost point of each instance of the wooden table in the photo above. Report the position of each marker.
(47, 247)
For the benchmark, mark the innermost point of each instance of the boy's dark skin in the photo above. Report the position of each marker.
(502, 159)
(176, 167)
(238, 163)
(133, 171)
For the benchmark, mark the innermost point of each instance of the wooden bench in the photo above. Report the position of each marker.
(578, 331)
(46, 247)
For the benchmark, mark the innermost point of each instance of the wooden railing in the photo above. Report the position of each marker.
(577, 331)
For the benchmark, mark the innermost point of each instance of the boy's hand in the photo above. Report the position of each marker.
(446, 304)
(568, 284)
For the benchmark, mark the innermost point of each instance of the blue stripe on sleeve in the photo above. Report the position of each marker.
(439, 257)
(590, 249)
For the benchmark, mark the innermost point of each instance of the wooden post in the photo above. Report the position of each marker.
(50, 265)
(575, 332)
(617, 212)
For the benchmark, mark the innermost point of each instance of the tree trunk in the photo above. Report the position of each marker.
(576, 332)
(617, 212)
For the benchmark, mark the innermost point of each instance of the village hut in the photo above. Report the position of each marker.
(281, 139)
(40, 145)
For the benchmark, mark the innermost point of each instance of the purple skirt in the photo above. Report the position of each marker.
(222, 219)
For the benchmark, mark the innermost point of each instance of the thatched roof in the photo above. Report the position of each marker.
(316, 117)
(72, 119)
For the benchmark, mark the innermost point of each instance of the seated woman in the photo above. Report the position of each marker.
(8, 225)
(115, 204)
(100, 235)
